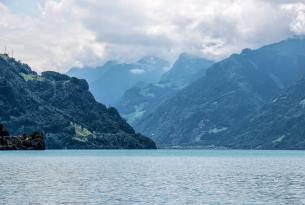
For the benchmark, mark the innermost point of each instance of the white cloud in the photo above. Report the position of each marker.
(297, 11)
(54, 41)
(70, 33)
(137, 71)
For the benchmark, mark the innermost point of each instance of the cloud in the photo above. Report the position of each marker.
(52, 41)
(297, 11)
(137, 71)
(66, 33)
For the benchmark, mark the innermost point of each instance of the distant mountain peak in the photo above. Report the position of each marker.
(142, 99)
(109, 81)
(184, 69)
(189, 56)
(111, 62)
(206, 112)
(153, 60)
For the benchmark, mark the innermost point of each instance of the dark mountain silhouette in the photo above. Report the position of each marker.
(62, 108)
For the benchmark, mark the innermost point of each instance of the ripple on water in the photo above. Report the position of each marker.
(99, 177)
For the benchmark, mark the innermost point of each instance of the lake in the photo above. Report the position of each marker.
(153, 177)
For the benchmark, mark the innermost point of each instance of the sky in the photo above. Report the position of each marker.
(60, 34)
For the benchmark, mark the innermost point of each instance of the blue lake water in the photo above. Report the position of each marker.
(152, 177)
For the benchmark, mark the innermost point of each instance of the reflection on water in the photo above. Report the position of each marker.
(152, 177)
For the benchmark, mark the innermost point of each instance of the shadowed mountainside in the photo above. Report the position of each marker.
(143, 99)
(277, 125)
(212, 111)
(62, 108)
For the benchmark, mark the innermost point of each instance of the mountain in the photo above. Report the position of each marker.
(185, 70)
(62, 108)
(277, 125)
(109, 82)
(208, 111)
(144, 98)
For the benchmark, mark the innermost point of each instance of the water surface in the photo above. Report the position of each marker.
(152, 177)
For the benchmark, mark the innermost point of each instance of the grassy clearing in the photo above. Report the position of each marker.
(28, 77)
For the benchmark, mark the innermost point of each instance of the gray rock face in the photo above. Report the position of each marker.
(210, 110)
(143, 99)
(62, 108)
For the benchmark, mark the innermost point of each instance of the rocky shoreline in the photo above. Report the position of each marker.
(34, 141)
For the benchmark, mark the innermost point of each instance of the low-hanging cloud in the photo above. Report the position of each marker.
(297, 11)
(68, 33)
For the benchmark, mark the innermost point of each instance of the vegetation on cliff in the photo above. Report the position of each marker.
(63, 109)
(34, 141)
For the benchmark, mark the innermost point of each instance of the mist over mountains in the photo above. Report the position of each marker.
(109, 81)
(249, 100)
(213, 111)
(231, 103)
(143, 99)
(152, 102)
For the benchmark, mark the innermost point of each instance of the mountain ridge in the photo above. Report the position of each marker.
(109, 81)
(143, 99)
(206, 112)
(62, 108)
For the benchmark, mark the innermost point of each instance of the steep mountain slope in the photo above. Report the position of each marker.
(62, 108)
(185, 70)
(278, 125)
(206, 112)
(143, 99)
(109, 82)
